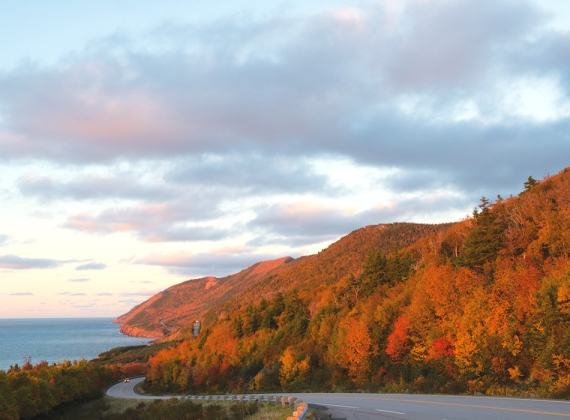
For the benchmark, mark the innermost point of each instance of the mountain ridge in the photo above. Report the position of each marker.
(163, 314)
(168, 316)
(480, 306)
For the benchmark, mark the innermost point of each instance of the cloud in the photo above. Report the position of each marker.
(77, 294)
(308, 219)
(308, 223)
(80, 280)
(453, 43)
(231, 250)
(156, 222)
(91, 266)
(84, 306)
(13, 262)
(250, 173)
(21, 294)
(4, 239)
(159, 222)
(180, 234)
(379, 88)
(104, 294)
(184, 263)
(236, 112)
(130, 302)
(142, 292)
(90, 187)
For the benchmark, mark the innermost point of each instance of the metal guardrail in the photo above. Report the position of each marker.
(305, 412)
(291, 401)
(301, 408)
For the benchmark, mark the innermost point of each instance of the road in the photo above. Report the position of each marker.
(409, 407)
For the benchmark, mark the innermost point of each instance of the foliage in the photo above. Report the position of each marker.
(131, 354)
(31, 390)
(185, 409)
(172, 409)
(479, 306)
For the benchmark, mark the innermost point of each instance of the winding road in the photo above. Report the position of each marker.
(408, 407)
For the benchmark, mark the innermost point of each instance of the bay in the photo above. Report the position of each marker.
(59, 339)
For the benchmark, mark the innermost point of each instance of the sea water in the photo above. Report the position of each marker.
(58, 339)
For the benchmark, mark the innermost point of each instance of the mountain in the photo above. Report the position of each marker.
(168, 315)
(165, 313)
(480, 306)
(332, 266)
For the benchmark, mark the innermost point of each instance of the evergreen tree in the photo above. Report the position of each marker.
(484, 240)
(531, 182)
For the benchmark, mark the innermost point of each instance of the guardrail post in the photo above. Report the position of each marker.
(284, 401)
(292, 402)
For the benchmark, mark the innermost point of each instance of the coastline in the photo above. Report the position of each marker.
(57, 339)
(136, 332)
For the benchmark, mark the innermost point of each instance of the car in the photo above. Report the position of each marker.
(127, 380)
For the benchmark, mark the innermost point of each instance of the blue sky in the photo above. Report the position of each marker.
(142, 144)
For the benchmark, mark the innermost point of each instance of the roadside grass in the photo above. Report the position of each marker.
(266, 411)
(106, 406)
(139, 389)
(118, 405)
(95, 409)
(315, 414)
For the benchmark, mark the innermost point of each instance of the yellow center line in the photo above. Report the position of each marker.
(488, 407)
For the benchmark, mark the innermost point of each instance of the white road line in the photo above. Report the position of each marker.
(388, 411)
(332, 405)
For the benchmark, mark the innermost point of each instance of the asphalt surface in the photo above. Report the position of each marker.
(412, 407)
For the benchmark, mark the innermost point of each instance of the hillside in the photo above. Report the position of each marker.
(165, 313)
(170, 313)
(314, 274)
(481, 306)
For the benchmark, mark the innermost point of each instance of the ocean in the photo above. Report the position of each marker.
(59, 339)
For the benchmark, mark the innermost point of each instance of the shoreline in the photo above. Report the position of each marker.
(57, 339)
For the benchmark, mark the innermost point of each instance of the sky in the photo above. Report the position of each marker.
(146, 143)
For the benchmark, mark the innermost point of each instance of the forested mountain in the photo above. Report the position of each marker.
(478, 306)
(169, 311)
(169, 314)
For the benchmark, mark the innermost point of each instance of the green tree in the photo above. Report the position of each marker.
(485, 239)
(8, 409)
(531, 182)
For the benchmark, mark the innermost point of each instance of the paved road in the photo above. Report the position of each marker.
(410, 407)
(126, 390)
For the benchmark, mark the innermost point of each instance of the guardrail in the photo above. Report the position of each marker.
(301, 408)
